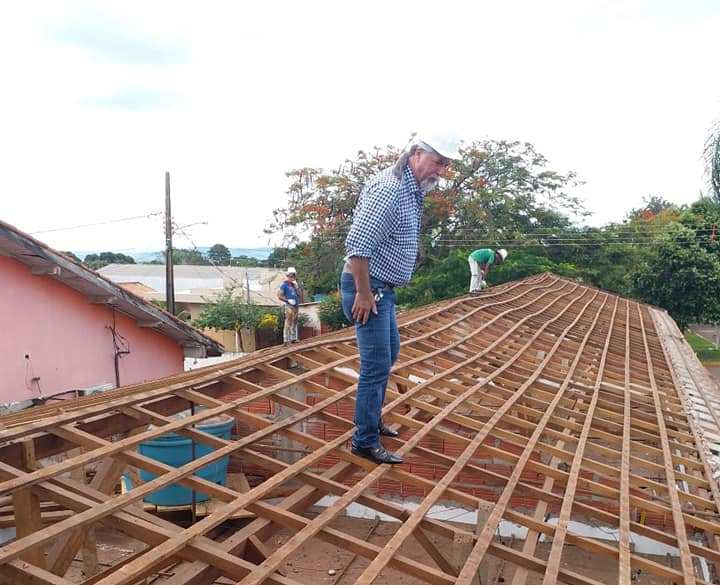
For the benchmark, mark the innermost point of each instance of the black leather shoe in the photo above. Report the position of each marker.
(377, 454)
(387, 431)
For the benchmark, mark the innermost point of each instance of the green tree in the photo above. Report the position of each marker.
(97, 261)
(187, 256)
(498, 190)
(222, 312)
(703, 216)
(604, 258)
(219, 255)
(653, 206)
(278, 258)
(72, 256)
(331, 314)
(247, 261)
(682, 276)
(228, 310)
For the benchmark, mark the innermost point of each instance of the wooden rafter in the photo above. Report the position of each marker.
(576, 396)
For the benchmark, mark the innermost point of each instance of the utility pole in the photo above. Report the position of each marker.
(169, 274)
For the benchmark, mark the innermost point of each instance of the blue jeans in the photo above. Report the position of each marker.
(378, 344)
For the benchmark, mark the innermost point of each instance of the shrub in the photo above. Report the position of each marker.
(331, 313)
(269, 321)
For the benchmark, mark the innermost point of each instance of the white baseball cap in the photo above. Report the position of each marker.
(291, 270)
(503, 253)
(445, 145)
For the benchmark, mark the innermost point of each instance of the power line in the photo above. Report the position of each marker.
(615, 235)
(547, 242)
(570, 241)
(621, 228)
(109, 221)
(331, 235)
(454, 244)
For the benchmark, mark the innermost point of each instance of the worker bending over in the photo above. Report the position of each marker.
(480, 262)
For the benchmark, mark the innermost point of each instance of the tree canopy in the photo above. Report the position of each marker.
(189, 256)
(682, 275)
(504, 194)
(499, 189)
(97, 261)
(219, 255)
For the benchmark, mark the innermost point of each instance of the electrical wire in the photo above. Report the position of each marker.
(465, 243)
(107, 222)
(557, 233)
(593, 239)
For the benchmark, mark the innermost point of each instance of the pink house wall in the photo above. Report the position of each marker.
(67, 339)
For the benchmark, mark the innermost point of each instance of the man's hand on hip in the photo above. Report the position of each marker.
(363, 305)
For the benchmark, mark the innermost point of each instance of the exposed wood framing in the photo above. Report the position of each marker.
(541, 403)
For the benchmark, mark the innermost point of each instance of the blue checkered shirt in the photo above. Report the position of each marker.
(386, 226)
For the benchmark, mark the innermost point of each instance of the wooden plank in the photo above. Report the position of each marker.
(63, 551)
(26, 505)
(624, 570)
(686, 562)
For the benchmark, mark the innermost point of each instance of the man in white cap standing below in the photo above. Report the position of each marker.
(288, 294)
(381, 249)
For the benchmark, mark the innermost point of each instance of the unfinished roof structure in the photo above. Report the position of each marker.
(540, 404)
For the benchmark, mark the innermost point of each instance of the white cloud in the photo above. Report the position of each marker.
(621, 92)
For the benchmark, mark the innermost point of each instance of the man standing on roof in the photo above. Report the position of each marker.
(480, 262)
(381, 248)
(288, 294)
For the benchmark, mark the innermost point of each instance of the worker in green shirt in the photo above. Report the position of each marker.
(480, 262)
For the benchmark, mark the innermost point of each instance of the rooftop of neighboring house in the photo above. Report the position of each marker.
(189, 277)
(198, 284)
(45, 261)
(202, 296)
(137, 288)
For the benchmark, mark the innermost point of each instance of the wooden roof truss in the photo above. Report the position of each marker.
(540, 391)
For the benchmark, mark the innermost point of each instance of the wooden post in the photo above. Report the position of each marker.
(169, 274)
(26, 504)
(483, 514)
(463, 545)
(88, 542)
(62, 553)
(89, 553)
(292, 453)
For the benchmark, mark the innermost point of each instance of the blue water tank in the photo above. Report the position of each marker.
(176, 450)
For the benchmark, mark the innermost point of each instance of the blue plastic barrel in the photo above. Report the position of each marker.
(176, 450)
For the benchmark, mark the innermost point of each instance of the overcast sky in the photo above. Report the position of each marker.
(99, 99)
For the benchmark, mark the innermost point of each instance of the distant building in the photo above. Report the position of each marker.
(196, 285)
(67, 330)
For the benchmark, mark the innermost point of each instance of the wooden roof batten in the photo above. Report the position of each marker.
(542, 403)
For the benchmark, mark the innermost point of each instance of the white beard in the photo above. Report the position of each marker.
(429, 184)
